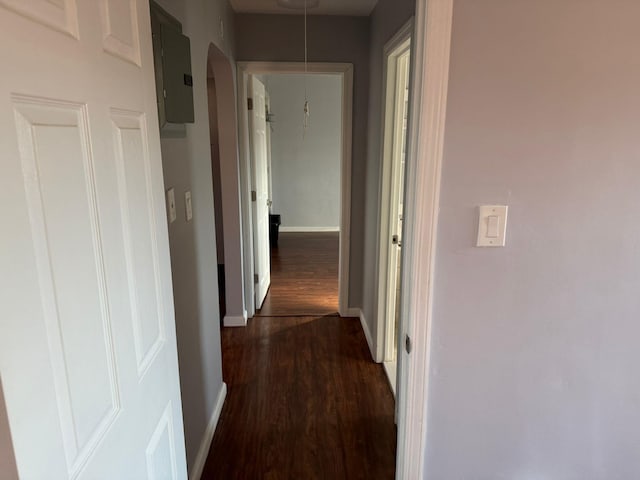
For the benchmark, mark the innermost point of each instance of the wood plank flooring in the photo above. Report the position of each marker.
(305, 401)
(304, 275)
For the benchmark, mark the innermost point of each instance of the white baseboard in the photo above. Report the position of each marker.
(308, 229)
(367, 334)
(235, 321)
(195, 472)
(391, 369)
(352, 312)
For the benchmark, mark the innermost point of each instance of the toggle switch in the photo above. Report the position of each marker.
(188, 207)
(493, 222)
(171, 205)
(492, 226)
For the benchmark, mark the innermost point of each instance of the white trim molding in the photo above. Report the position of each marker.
(308, 229)
(235, 321)
(345, 70)
(430, 79)
(195, 472)
(352, 312)
(367, 334)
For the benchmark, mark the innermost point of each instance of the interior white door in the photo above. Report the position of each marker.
(260, 189)
(88, 357)
(400, 115)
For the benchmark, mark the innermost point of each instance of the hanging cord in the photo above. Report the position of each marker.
(305, 123)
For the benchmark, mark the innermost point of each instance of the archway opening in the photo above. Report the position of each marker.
(226, 186)
(214, 142)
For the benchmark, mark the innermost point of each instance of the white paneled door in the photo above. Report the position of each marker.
(88, 359)
(260, 187)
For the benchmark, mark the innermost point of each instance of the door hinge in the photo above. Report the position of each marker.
(254, 196)
(256, 280)
(407, 344)
(250, 103)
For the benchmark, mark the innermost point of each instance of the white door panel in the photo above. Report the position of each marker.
(260, 180)
(87, 339)
(399, 139)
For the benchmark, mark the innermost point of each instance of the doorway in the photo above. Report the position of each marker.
(214, 142)
(256, 175)
(223, 142)
(396, 90)
(300, 160)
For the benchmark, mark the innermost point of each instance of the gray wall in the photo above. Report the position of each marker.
(387, 18)
(305, 166)
(212, 93)
(187, 165)
(8, 469)
(279, 38)
(535, 346)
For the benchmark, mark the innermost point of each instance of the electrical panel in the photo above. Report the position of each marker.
(172, 62)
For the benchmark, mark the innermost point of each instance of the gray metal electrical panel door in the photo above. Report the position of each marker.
(176, 76)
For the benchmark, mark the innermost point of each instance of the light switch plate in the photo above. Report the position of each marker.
(188, 208)
(171, 205)
(492, 226)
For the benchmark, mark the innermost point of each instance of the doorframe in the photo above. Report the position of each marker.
(391, 55)
(427, 113)
(345, 70)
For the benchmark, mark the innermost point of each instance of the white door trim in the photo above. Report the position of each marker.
(430, 78)
(345, 70)
(392, 52)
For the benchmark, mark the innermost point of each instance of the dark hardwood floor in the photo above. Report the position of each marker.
(304, 275)
(305, 400)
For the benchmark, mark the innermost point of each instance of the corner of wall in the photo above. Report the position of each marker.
(367, 334)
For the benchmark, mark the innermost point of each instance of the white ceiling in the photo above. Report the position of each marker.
(326, 7)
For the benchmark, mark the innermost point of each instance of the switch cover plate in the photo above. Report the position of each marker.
(492, 226)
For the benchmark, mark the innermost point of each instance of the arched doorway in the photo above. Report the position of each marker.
(212, 95)
(226, 189)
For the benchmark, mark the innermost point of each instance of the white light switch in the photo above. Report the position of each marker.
(492, 226)
(188, 208)
(171, 205)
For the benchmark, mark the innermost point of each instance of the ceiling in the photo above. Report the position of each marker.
(326, 7)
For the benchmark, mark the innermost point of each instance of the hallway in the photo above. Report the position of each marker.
(305, 400)
(304, 275)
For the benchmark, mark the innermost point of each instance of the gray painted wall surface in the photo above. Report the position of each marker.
(535, 345)
(387, 18)
(212, 93)
(305, 166)
(187, 165)
(8, 468)
(279, 38)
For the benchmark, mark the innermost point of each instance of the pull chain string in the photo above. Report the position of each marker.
(305, 123)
